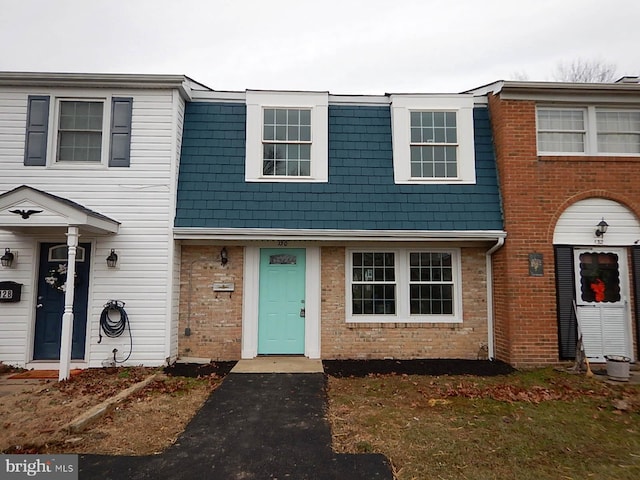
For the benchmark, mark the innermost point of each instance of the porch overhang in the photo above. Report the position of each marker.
(27, 210)
(252, 234)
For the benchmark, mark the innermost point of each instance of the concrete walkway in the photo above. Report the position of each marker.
(253, 426)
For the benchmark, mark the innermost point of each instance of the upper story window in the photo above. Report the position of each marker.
(588, 130)
(434, 145)
(80, 131)
(286, 142)
(433, 138)
(618, 131)
(287, 137)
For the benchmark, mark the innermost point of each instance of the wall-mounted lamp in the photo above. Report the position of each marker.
(224, 256)
(601, 228)
(112, 259)
(7, 258)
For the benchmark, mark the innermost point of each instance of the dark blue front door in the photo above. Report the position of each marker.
(52, 281)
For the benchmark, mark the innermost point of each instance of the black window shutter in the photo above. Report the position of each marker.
(120, 148)
(565, 295)
(635, 260)
(35, 147)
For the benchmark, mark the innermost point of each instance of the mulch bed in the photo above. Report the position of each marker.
(362, 368)
(196, 370)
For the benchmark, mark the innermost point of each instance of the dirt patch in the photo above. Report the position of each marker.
(146, 422)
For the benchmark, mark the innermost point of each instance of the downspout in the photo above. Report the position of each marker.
(489, 269)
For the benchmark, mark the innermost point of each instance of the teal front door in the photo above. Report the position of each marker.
(281, 314)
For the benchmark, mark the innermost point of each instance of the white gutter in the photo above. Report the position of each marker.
(197, 233)
(490, 322)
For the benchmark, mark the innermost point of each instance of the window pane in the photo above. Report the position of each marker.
(561, 130)
(431, 283)
(288, 131)
(561, 142)
(618, 132)
(80, 131)
(373, 286)
(599, 277)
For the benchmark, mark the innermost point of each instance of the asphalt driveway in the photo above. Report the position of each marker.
(253, 426)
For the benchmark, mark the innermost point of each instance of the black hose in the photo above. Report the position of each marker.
(114, 328)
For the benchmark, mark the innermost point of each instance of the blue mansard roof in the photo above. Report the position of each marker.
(360, 194)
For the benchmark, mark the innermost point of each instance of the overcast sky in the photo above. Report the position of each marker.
(343, 46)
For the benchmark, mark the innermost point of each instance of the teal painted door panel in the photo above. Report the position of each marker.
(281, 306)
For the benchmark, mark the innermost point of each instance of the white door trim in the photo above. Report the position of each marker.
(251, 289)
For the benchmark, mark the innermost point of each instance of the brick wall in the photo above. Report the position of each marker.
(402, 340)
(215, 318)
(535, 192)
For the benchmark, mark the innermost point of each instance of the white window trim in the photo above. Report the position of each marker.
(401, 108)
(317, 102)
(591, 131)
(54, 120)
(402, 314)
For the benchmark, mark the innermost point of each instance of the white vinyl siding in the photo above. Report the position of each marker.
(141, 198)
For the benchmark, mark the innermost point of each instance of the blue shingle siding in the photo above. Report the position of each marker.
(360, 194)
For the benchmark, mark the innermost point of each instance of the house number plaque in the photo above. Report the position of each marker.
(536, 266)
(224, 287)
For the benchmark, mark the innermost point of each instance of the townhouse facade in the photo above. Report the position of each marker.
(89, 168)
(337, 226)
(568, 162)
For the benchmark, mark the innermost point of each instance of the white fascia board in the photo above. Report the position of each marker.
(218, 96)
(195, 233)
(359, 100)
(91, 80)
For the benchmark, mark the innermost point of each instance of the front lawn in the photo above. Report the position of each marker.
(535, 425)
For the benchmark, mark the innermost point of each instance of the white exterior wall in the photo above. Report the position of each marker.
(141, 197)
(577, 224)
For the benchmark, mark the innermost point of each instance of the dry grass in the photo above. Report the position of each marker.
(147, 422)
(535, 425)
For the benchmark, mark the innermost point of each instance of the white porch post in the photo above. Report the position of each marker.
(67, 316)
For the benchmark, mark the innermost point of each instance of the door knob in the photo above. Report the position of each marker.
(39, 305)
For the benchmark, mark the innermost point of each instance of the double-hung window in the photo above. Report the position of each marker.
(78, 131)
(434, 144)
(618, 131)
(404, 285)
(286, 142)
(287, 137)
(433, 139)
(561, 130)
(588, 130)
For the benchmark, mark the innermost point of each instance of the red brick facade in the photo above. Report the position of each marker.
(536, 190)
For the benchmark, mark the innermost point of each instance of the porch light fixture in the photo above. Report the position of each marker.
(224, 256)
(112, 259)
(601, 228)
(7, 258)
